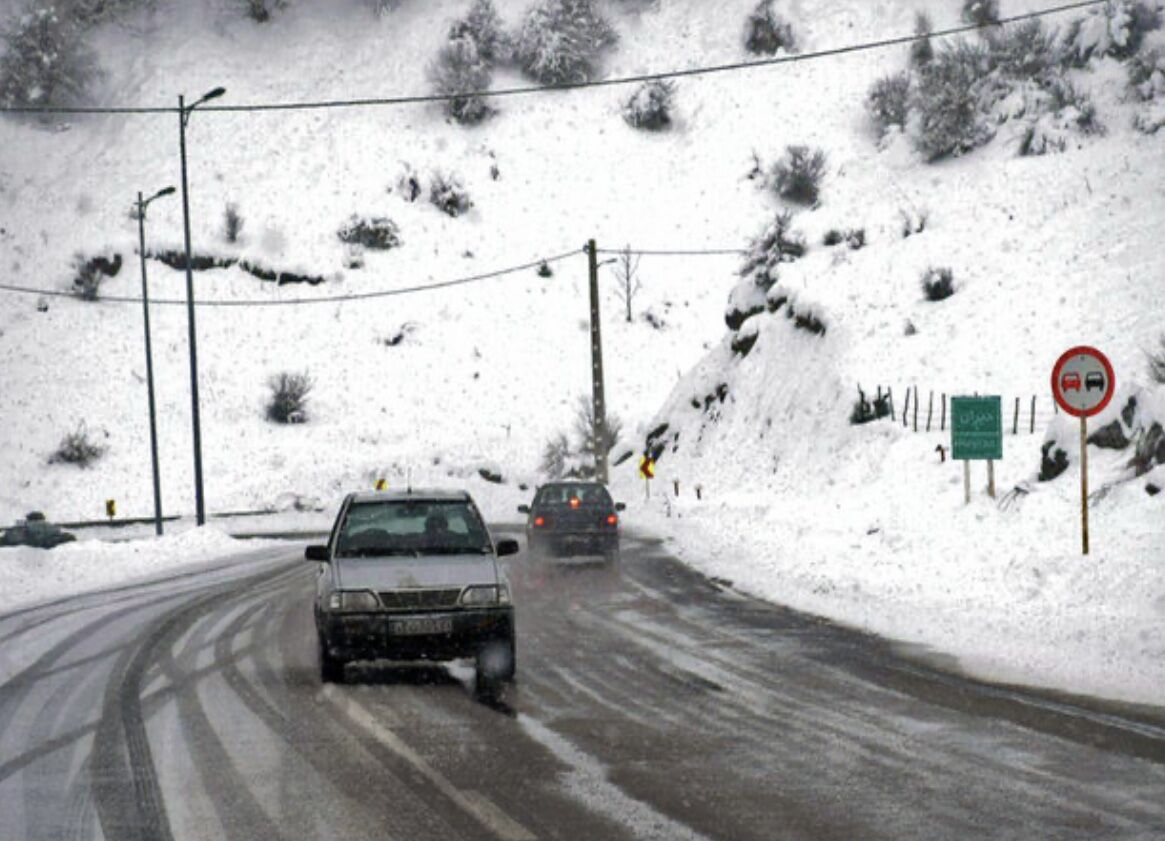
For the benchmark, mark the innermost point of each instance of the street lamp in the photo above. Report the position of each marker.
(142, 205)
(184, 112)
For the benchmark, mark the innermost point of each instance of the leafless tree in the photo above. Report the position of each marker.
(627, 273)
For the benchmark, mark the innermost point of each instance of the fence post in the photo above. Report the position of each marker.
(1033, 429)
(929, 410)
(1015, 421)
(943, 425)
(916, 408)
(906, 409)
(890, 400)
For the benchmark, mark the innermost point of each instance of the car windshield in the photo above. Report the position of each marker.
(561, 494)
(412, 528)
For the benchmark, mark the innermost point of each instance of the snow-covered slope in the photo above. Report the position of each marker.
(1047, 252)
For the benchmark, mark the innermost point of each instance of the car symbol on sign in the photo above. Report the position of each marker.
(1070, 382)
(1094, 379)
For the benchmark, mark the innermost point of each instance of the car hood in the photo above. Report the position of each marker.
(397, 573)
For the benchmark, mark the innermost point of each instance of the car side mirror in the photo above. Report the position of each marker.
(316, 553)
(619, 506)
(508, 546)
(523, 509)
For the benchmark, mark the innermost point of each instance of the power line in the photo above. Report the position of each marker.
(674, 252)
(330, 299)
(567, 86)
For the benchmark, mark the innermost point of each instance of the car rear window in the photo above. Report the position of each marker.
(586, 494)
(421, 527)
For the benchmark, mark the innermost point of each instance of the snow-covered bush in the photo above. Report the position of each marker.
(922, 51)
(947, 99)
(1024, 51)
(1147, 74)
(77, 448)
(260, 10)
(777, 244)
(448, 193)
(408, 183)
(1117, 28)
(981, 12)
(889, 101)
(91, 272)
(232, 223)
(650, 106)
(94, 12)
(1157, 363)
(459, 72)
(765, 31)
(938, 284)
(797, 175)
(556, 456)
(44, 62)
(866, 409)
(377, 233)
(561, 41)
(288, 400)
(483, 26)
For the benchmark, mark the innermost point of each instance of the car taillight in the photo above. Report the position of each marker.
(574, 503)
(539, 521)
(612, 520)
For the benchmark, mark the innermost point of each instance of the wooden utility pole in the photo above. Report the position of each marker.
(597, 395)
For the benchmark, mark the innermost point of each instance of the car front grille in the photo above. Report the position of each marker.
(419, 599)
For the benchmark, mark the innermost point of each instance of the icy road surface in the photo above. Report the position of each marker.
(651, 703)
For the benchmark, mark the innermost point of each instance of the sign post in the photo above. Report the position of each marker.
(977, 435)
(1083, 384)
(647, 472)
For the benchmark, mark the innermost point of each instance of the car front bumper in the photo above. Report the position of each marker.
(372, 636)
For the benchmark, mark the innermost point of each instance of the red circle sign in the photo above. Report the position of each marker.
(1082, 381)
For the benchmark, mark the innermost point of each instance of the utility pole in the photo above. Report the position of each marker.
(599, 400)
(142, 205)
(184, 112)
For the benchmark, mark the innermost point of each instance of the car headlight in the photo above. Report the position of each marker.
(353, 601)
(489, 595)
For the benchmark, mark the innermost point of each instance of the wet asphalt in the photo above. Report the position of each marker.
(651, 703)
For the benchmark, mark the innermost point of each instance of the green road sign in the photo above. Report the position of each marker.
(976, 428)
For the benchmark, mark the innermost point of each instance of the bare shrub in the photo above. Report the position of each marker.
(91, 273)
(765, 31)
(77, 448)
(556, 456)
(889, 101)
(448, 193)
(938, 284)
(797, 175)
(584, 430)
(777, 244)
(288, 400)
(650, 106)
(378, 233)
(44, 62)
(868, 409)
(561, 41)
(627, 274)
(260, 11)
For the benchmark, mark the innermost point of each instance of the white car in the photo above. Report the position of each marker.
(413, 575)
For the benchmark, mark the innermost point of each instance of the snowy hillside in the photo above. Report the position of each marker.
(1046, 252)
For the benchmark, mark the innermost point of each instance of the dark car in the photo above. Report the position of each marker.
(35, 531)
(573, 518)
(413, 575)
(1094, 379)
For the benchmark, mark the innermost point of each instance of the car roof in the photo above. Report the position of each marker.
(412, 495)
(571, 483)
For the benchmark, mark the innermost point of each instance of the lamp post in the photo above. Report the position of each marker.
(142, 205)
(184, 112)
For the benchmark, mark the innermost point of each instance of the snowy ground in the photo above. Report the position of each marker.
(860, 524)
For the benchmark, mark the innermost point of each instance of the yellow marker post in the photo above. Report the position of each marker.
(381, 484)
(111, 508)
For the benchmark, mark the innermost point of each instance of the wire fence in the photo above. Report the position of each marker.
(929, 411)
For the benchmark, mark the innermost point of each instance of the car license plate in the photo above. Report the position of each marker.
(417, 627)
